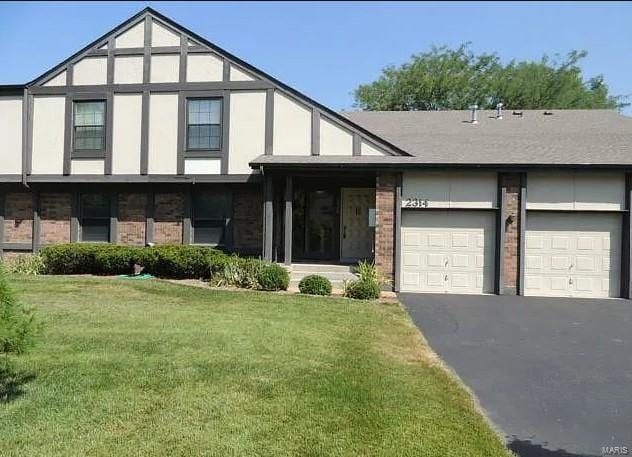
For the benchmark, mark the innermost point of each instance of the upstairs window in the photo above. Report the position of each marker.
(210, 213)
(89, 126)
(204, 124)
(95, 218)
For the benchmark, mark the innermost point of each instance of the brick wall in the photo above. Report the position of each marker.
(248, 219)
(131, 218)
(18, 222)
(55, 218)
(385, 187)
(511, 250)
(168, 216)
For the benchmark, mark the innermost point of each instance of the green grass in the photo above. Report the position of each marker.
(149, 368)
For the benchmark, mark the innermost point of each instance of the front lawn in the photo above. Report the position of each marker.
(148, 368)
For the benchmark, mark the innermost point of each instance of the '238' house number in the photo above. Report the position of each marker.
(415, 203)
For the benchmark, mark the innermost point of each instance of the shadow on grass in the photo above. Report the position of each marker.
(525, 448)
(12, 382)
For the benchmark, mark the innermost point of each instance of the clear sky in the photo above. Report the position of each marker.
(326, 49)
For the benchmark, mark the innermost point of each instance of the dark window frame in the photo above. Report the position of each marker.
(106, 219)
(215, 222)
(89, 153)
(203, 152)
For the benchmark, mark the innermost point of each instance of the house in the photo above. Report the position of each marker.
(152, 134)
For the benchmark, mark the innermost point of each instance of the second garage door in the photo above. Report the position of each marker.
(573, 254)
(447, 251)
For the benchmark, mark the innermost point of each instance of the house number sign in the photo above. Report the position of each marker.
(415, 203)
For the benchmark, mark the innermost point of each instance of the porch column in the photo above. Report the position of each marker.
(626, 251)
(268, 205)
(288, 221)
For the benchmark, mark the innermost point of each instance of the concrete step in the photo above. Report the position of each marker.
(316, 268)
(332, 276)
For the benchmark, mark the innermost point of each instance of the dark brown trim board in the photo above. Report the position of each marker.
(187, 229)
(398, 233)
(36, 221)
(269, 132)
(499, 258)
(225, 132)
(268, 217)
(287, 236)
(521, 238)
(144, 135)
(626, 241)
(149, 217)
(74, 217)
(114, 207)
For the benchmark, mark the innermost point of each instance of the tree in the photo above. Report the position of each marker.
(445, 78)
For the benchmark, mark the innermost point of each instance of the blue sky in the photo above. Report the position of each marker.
(326, 49)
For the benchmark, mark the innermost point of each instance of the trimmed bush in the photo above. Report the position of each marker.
(168, 261)
(17, 324)
(315, 285)
(273, 277)
(362, 290)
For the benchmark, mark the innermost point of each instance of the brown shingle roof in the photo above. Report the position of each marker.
(565, 137)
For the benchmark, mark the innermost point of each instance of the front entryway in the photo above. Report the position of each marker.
(357, 224)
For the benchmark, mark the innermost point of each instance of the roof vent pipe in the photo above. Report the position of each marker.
(499, 111)
(473, 109)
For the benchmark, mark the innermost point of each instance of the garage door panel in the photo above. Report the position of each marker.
(459, 254)
(573, 254)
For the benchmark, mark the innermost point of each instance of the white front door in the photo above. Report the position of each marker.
(573, 254)
(356, 234)
(447, 251)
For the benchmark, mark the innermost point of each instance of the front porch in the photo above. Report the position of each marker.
(319, 220)
(331, 216)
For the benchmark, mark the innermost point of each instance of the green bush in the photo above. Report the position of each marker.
(315, 285)
(368, 272)
(27, 264)
(17, 324)
(168, 261)
(273, 277)
(362, 290)
(238, 272)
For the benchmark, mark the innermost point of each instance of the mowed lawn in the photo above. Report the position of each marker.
(148, 368)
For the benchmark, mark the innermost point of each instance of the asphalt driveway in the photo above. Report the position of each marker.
(554, 375)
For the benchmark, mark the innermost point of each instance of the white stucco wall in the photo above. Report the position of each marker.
(334, 140)
(202, 166)
(576, 190)
(165, 68)
(59, 80)
(161, 36)
(128, 69)
(204, 67)
(11, 134)
(238, 75)
(163, 134)
(87, 167)
(247, 129)
(48, 135)
(132, 38)
(292, 127)
(367, 149)
(90, 71)
(126, 134)
(451, 189)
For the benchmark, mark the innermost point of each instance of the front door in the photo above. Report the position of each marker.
(357, 231)
(315, 224)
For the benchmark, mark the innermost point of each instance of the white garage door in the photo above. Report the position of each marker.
(573, 254)
(447, 251)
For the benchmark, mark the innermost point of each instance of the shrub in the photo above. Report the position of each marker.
(17, 324)
(315, 285)
(169, 261)
(273, 277)
(362, 290)
(238, 272)
(368, 272)
(25, 265)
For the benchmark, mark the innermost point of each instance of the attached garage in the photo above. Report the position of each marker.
(448, 232)
(448, 251)
(573, 255)
(573, 235)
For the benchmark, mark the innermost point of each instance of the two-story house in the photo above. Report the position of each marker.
(152, 134)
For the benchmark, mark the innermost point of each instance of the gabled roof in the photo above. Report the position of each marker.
(327, 112)
(564, 137)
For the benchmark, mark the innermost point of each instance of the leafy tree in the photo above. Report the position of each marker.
(445, 78)
(17, 324)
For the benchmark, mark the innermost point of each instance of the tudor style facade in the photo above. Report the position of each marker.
(151, 134)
